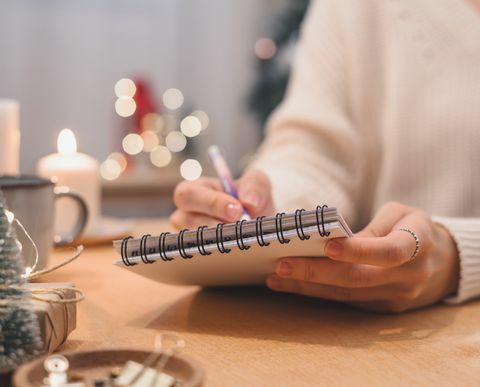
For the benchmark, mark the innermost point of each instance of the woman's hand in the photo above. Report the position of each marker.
(203, 202)
(374, 269)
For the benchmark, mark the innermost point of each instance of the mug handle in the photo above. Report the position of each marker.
(62, 240)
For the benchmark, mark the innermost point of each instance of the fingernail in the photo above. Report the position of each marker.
(274, 282)
(333, 249)
(233, 211)
(252, 199)
(284, 269)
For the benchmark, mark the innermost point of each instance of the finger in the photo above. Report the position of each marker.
(328, 272)
(254, 190)
(335, 293)
(385, 219)
(192, 197)
(210, 182)
(181, 219)
(392, 250)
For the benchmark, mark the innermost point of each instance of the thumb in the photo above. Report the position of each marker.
(254, 191)
(385, 219)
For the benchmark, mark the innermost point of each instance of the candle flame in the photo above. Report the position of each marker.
(66, 143)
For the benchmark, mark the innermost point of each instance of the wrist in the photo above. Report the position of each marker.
(452, 260)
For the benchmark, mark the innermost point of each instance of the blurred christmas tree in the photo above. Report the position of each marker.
(19, 330)
(275, 55)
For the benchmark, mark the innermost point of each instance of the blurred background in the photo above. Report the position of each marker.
(146, 86)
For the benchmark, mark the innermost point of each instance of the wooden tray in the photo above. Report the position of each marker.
(91, 365)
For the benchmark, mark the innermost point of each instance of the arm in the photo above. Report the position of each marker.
(313, 151)
(466, 234)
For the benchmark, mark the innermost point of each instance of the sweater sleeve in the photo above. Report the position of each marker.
(466, 233)
(312, 151)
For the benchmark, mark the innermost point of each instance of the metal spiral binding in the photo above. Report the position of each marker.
(201, 242)
(322, 232)
(259, 232)
(143, 249)
(219, 235)
(162, 250)
(181, 245)
(279, 229)
(299, 225)
(123, 251)
(161, 247)
(239, 235)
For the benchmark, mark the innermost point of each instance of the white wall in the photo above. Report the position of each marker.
(61, 58)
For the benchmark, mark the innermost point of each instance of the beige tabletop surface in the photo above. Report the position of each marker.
(255, 337)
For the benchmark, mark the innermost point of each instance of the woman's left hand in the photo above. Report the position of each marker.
(374, 270)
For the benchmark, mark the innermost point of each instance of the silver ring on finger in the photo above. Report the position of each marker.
(417, 242)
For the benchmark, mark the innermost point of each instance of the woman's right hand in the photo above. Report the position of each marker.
(203, 201)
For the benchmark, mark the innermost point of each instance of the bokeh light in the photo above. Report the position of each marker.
(160, 156)
(191, 169)
(10, 216)
(125, 106)
(153, 121)
(175, 141)
(125, 88)
(132, 144)
(120, 159)
(110, 169)
(265, 48)
(150, 140)
(191, 126)
(173, 99)
(203, 117)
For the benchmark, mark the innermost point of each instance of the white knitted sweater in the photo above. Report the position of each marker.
(384, 104)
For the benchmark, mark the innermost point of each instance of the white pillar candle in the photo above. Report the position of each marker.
(9, 137)
(77, 171)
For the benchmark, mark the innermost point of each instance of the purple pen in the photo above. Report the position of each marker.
(225, 175)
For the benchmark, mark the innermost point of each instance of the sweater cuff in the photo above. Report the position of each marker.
(466, 233)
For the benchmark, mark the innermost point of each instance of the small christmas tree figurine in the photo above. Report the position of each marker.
(19, 330)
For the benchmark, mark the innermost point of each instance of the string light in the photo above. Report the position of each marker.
(173, 99)
(125, 88)
(191, 126)
(203, 117)
(175, 141)
(125, 106)
(132, 144)
(160, 156)
(265, 48)
(191, 169)
(10, 216)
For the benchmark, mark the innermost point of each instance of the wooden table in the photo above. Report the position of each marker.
(254, 337)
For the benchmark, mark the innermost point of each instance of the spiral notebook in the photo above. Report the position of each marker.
(241, 253)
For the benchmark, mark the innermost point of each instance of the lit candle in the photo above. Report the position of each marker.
(77, 171)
